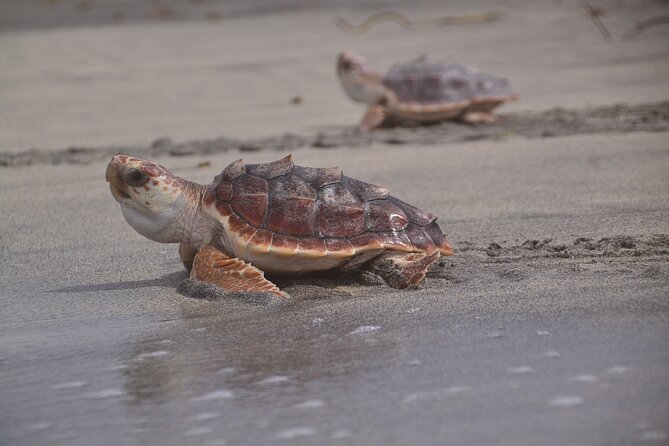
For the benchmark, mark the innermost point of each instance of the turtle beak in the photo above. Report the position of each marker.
(113, 176)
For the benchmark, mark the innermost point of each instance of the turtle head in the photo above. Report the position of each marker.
(152, 199)
(360, 83)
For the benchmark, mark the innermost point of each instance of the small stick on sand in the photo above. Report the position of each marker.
(642, 26)
(595, 14)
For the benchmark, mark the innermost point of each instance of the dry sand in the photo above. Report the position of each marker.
(128, 84)
(548, 326)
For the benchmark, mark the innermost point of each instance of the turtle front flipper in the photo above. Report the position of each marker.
(232, 274)
(374, 117)
(402, 270)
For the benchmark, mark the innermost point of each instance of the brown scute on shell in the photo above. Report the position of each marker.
(248, 232)
(224, 208)
(318, 178)
(368, 240)
(366, 191)
(234, 170)
(340, 221)
(288, 208)
(292, 215)
(383, 215)
(294, 207)
(415, 215)
(312, 244)
(425, 82)
(262, 237)
(338, 195)
(439, 238)
(419, 238)
(340, 245)
(250, 199)
(285, 243)
(251, 208)
(293, 186)
(224, 191)
(396, 240)
(236, 223)
(341, 213)
(271, 170)
(250, 185)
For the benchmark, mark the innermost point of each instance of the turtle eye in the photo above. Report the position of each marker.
(346, 65)
(136, 178)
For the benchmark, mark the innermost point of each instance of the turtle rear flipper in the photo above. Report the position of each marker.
(401, 269)
(212, 266)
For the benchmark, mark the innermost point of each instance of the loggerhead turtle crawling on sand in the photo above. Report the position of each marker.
(276, 217)
(422, 91)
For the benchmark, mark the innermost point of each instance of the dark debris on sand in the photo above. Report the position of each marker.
(619, 118)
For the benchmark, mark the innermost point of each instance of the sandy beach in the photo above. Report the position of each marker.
(549, 325)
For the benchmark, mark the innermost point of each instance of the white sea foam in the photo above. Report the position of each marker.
(653, 435)
(105, 393)
(204, 416)
(420, 396)
(294, 432)
(618, 369)
(523, 369)
(585, 378)
(203, 430)
(156, 354)
(566, 401)
(363, 329)
(340, 433)
(220, 394)
(275, 379)
(39, 426)
(70, 385)
(310, 404)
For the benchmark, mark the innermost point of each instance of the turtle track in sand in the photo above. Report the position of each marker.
(490, 267)
(637, 257)
(619, 118)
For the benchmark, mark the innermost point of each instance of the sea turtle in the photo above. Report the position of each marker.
(279, 218)
(422, 91)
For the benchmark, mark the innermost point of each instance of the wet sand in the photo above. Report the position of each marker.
(548, 326)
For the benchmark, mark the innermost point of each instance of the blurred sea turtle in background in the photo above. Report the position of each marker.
(422, 91)
(276, 217)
